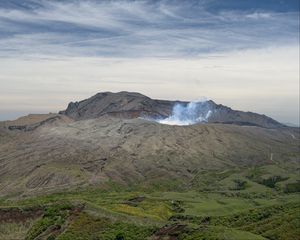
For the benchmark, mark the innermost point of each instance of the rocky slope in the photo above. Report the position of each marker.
(66, 153)
(133, 105)
(122, 104)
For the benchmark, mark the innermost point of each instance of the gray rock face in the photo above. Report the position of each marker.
(226, 115)
(122, 104)
(133, 105)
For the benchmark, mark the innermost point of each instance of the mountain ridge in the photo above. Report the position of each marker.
(132, 105)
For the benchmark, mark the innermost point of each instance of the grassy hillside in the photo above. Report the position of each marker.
(224, 209)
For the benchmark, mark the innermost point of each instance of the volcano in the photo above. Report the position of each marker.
(122, 162)
(109, 137)
(133, 105)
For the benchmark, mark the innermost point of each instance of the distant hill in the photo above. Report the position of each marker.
(291, 124)
(133, 105)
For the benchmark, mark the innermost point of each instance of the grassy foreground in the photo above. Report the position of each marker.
(231, 205)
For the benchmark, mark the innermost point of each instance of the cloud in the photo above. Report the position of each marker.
(53, 52)
(264, 81)
(139, 28)
(258, 15)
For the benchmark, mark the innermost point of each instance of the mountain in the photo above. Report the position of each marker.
(106, 168)
(122, 104)
(50, 152)
(133, 105)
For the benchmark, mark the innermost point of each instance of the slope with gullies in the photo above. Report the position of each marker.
(64, 153)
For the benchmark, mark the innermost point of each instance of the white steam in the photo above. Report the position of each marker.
(191, 113)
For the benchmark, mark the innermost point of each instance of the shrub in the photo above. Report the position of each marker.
(292, 187)
(240, 184)
(119, 237)
(271, 181)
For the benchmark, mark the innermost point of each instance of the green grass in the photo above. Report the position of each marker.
(108, 215)
(155, 210)
(280, 221)
(54, 215)
(235, 205)
(220, 233)
(87, 227)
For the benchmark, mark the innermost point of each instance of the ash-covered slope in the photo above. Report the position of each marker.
(65, 153)
(223, 114)
(133, 105)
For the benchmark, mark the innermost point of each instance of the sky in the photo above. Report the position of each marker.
(240, 53)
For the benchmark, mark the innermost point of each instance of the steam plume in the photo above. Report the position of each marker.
(192, 113)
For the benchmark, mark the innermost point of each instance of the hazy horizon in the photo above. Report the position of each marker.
(245, 56)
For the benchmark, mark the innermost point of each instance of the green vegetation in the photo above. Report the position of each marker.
(271, 181)
(220, 233)
(87, 227)
(54, 216)
(236, 204)
(292, 187)
(240, 184)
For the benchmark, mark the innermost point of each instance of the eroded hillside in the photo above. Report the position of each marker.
(58, 153)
